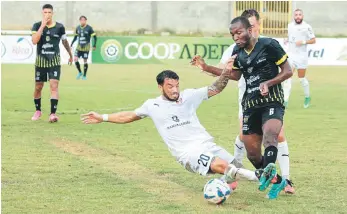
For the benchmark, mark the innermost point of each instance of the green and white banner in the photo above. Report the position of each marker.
(158, 50)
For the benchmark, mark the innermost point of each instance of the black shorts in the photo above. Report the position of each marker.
(254, 118)
(82, 54)
(43, 74)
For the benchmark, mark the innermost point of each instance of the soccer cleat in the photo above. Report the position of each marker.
(84, 78)
(36, 116)
(53, 118)
(289, 189)
(276, 189)
(307, 102)
(267, 176)
(79, 75)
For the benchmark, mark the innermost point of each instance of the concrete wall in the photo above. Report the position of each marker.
(326, 18)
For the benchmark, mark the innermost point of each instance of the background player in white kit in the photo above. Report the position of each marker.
(239, 148)
(174, 115)
(299, 35)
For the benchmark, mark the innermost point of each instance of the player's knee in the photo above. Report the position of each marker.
(253, 157)
(281, 138)
(38, 87)
(270, 138)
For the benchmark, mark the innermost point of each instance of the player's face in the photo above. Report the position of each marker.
(48, 13)
(170, 89)
(255, 26)
(298, 17)
(83, 21)
(240, 34)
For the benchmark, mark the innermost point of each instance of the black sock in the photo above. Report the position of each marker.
(85, 69)
(258, 165)
(78, 66)
(54, 105)
(270, 155)
(38, 104)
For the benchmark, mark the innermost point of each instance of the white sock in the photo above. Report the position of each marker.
(234, 174)
(306, 86)
(239, 149)
(287, 87)
(283, 158)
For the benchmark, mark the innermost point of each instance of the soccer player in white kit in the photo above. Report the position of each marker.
(239, 148)
(174, 115)
(300, 34)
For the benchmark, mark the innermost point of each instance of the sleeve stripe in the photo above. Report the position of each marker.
(234, 67)
(93, 34)
(282, 59)
(33, 32)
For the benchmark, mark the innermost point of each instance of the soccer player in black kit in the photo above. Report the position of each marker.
(83, 34)
(47, 34)
(258, 60)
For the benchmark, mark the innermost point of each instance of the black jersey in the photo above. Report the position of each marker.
(48, 51)
(84, 35)
(258, 66)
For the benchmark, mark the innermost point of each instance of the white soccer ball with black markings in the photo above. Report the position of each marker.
(216, 191)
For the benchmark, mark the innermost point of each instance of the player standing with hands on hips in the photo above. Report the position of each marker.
(47, 35)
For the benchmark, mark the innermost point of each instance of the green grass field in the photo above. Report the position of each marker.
(69, 167)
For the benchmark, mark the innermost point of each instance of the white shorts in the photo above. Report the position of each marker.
(199, 160)
(242, 90)
(298, 62)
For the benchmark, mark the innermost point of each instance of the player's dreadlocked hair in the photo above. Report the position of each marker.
(166, 74)
(244, 21)
(250, 13)
(47, 6)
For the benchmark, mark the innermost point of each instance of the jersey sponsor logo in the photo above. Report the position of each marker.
(43, 52)
(261, 60)
(179, 124)
(111, 50)
(175, 118)
(22, 49)
(47, 45)
(250, 90)
(252, 79)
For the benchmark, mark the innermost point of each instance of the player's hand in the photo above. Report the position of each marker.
(230, 62)
(44, 21)
(299, 43)
(91, 118)
(264, 89)
(70, 61)
(199, 62)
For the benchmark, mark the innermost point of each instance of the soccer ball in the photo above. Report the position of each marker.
(216, 191)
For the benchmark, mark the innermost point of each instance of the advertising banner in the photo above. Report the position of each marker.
(20, 50)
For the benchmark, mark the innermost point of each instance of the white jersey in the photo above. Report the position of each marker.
(299, 32)
(177, 122)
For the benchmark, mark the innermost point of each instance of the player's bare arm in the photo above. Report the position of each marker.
(68, 49)
(37, 35)
(232, 73)
(286, 72)
(304, 42)
(119, 118)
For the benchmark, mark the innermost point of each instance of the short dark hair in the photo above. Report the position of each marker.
(166, 74)
(298, 9)
(244, 21)
(250, 13)
(83, 17)
(47, 6)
